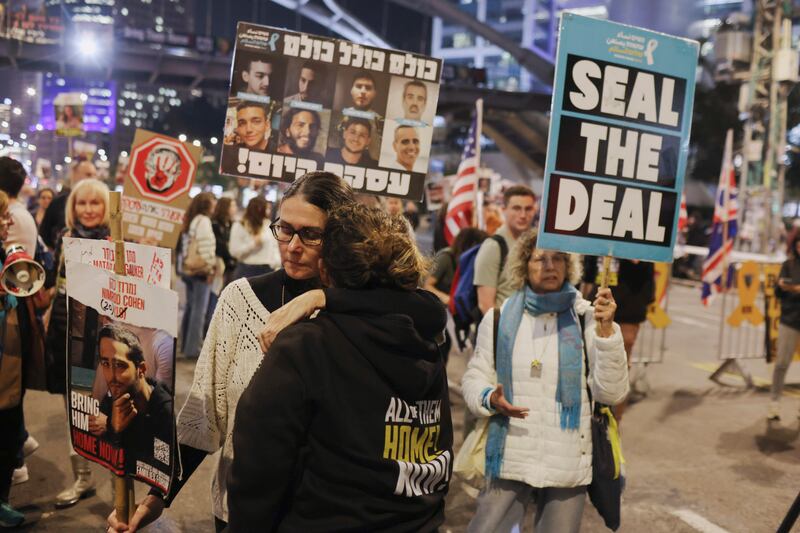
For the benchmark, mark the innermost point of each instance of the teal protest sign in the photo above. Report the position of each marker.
(619, 140)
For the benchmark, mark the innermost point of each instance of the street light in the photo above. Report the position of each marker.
(67, 159)
(182, 138)
(86, 45)
(17, 111)
(214, 140)
(30, 91)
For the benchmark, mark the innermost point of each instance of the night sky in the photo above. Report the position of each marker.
(402, 28)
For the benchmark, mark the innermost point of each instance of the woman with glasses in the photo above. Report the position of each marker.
(346, 424)
(231, 351)
(533, 385)
(251, 242)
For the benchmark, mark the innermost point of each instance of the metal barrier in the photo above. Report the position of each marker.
(651, 343)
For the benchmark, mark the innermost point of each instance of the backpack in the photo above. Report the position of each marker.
(464, 294)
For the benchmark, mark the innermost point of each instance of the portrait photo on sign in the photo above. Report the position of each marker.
(121, 394)
(258, 76)
(304, 133)
(412, 102)
(253, 124)
(353, 141)
(361, 93)
(405, 147)
(309, 82)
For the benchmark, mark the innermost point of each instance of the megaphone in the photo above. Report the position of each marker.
(21, 275)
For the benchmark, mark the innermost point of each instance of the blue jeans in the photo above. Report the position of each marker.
(502, 507)
(198, 291)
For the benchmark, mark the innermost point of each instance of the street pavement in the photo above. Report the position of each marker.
(700, 456)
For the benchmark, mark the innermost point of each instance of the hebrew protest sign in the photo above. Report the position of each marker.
(619, 140)
(161, 171)
(148, 263)
(121, 353)
(301, 102)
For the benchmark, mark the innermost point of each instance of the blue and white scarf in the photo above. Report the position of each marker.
(570, 362)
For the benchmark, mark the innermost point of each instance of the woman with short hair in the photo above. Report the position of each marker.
(533, 384)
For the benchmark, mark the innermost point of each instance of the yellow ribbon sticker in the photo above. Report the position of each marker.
(748, 283)
(656, 314)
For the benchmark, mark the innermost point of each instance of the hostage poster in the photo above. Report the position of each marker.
(148, 263)
(618, 141)
(301, 102)
(121, 353)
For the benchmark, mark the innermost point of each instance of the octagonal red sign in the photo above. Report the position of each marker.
(161, 168)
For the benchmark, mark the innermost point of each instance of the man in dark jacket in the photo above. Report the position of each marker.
(346, 425)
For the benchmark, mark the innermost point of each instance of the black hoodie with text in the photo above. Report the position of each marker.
(346, 425)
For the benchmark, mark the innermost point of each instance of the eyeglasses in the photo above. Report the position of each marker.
(555, 259)
(285, 233)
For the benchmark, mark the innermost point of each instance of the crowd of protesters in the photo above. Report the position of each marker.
(299, 415)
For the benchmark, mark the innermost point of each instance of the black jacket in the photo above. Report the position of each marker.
(346, 425)
(138, 439)
(790, 302)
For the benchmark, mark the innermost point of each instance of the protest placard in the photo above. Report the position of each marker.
(148, 263)
(161, 170)
(68, 110)
(301, 102)
(619, 140)
(121, 353)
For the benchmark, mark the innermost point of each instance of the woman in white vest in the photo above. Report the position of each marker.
(539, 443)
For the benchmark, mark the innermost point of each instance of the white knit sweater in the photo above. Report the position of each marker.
(229, 358)
(537, 451)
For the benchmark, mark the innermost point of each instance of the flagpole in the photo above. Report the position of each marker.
(478, 132)
(726, 215)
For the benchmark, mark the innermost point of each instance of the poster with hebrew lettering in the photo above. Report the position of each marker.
(619, 140)
(149, 263)
(121, 342)
(155, 195)
(300, 102)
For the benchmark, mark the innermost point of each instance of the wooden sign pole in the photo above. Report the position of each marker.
(604, 278)
(124, 496)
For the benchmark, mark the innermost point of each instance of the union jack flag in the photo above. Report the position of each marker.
(465, 187)
(723, 230)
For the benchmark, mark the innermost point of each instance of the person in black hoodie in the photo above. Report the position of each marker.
(346, 424)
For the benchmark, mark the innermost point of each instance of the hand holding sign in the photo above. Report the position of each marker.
(604, 309)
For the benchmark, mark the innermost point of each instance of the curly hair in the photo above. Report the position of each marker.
(365, 248)
(521, 254)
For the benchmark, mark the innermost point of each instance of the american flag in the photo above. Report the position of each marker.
(683, 217)
(465, 186)
(726, 210)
